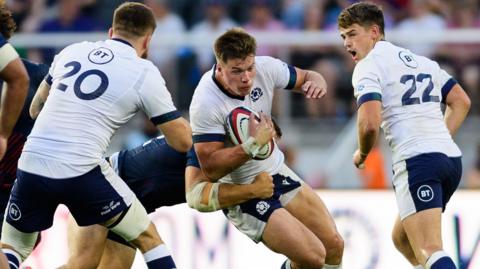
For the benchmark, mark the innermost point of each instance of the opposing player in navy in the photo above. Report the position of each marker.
(14, 74)
(8, 165)
(403, 92)
(92, 89)
(159, 176)
(308, 235)
(14, 91)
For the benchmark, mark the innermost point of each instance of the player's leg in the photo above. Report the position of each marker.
(31, 208)
(305, 205)
(422, 193)
(85, 245)
(117, 254)
(401, 242)
(286, 235)
(108, 201)
(3, 261)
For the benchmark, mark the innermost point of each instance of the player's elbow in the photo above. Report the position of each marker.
(369, 128)
(211, 173)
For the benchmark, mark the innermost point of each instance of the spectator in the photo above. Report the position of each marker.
(69, 19)
(216, 22)
(262, 19)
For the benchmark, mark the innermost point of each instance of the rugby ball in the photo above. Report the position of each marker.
(237, 129)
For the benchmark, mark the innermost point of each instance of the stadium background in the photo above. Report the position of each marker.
(319, 136)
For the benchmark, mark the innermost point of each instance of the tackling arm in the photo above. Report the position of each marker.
(206, 196)
(458, 105)
(39, 99)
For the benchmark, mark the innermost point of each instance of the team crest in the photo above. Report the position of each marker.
(262, 207)
(256, 94)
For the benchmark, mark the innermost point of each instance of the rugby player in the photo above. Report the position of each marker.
(294, 221)
(92, 89)
(403, 92)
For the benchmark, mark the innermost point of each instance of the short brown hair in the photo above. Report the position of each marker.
(133, 20)
(7, 24)
(363, 14)
(234, 44)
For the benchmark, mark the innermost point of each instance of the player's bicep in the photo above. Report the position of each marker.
(457, 95)
(204, 150)
(178, 133)
(370, 113)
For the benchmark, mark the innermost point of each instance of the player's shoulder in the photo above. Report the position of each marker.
(265, 62)
(205, 87)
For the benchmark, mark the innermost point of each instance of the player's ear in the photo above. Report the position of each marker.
(146, 41)
(110, 32)
(375, 30)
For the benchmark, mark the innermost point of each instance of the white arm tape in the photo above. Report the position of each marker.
(7, 54)
(194, 197)
(251, 147)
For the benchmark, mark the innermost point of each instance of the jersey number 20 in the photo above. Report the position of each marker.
(78, 82)
(407, 98)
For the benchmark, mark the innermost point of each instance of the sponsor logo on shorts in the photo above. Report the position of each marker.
(14, 212)
(108, 208)
(262, 207)
(425, 193)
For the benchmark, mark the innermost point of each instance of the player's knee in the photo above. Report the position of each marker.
(133, 223)
(400, 240)
(148, 239)
(314, 259)
(335, 244)
(82, 261)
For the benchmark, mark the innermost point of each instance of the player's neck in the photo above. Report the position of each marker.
(136, 44)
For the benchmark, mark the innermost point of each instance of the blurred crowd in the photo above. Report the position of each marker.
(182, 67)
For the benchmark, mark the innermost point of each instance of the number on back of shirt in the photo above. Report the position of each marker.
(412, 80)
(77, 86)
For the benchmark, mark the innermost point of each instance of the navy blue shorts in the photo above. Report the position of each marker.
(425, 181)
(92, 198)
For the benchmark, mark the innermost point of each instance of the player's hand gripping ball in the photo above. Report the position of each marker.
(237, 129)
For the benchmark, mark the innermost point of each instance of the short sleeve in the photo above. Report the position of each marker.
(283, 75)
(445, 82)
(192, 159)
(7, 53)
(155, 99)
(366, 81)
(207, 123)
(50, 75)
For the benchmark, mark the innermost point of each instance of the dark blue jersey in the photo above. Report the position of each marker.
(155, 172)
(8, 165)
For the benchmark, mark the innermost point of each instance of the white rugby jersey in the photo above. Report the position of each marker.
(411, 89)
(211, 104)
(95, 88)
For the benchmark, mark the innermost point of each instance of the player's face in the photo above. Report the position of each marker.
(237, 75)
(358, 40)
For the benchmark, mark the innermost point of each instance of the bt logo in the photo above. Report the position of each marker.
(425, 193)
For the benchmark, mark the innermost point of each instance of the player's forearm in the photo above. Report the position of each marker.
(367, 136)
(39, 99)
(234, 194)
(454, 117)
(13, 99)
(222, 162)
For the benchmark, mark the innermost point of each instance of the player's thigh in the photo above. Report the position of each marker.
(309, 209)
(285, 234)
(117, 255)
(86, 244)
(424, 230)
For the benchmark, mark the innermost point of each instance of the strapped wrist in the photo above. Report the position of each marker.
(251, 147)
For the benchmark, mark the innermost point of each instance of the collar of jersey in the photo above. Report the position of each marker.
(220, 86)
(122, 41)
